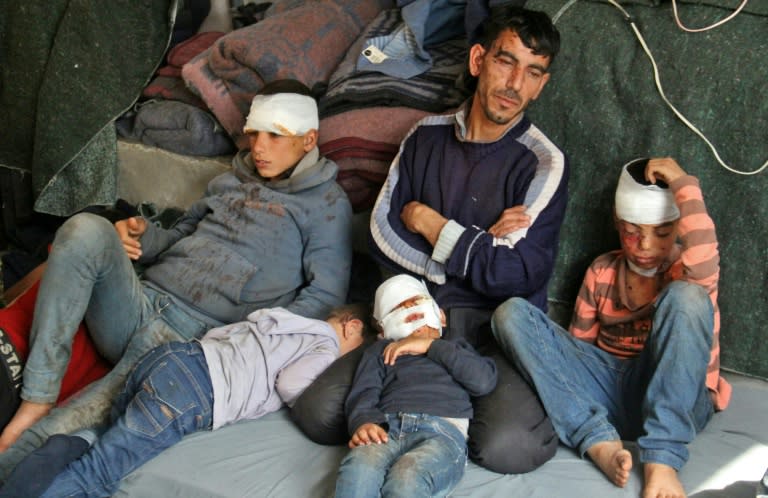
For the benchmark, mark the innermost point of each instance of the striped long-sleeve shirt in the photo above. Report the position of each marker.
(604, 316)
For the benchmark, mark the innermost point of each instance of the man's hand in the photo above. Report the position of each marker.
(130, 230)
(414, 344)
(511, 219)
(367, 434)
(422, 219)
(665, 169)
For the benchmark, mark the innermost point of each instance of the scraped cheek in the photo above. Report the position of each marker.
(630, 239)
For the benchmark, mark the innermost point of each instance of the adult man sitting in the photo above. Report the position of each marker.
(473, 203)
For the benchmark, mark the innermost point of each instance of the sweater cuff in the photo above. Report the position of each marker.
(446, 241)
(683, 181)
(436, 348)
(148, 241)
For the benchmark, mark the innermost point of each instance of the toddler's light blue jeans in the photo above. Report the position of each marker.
(424, 457)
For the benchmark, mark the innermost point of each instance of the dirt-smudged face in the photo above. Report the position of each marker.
(274, 154)
(647, 246)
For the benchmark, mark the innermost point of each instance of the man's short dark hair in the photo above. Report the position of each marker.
(534, 28)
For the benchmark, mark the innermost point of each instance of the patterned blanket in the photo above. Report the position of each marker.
(304, 43)
(433, 91)
(363, 143)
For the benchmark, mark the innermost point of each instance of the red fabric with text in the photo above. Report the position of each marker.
(85, 365)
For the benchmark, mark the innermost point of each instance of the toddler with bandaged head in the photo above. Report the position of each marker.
(409, 406)
(399, 316)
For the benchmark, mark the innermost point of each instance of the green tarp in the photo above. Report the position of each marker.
(68, 68)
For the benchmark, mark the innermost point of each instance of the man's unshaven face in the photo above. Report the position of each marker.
(510, 76)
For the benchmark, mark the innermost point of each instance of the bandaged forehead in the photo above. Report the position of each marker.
(288, 114)
(394, 320)
(402, 322)
(394, 291)
(643, 204)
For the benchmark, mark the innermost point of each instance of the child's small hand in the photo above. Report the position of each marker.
(416, 343)
(367, 434)
(665, 169)
(130, 231)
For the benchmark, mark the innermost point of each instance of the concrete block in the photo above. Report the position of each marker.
(169, 180)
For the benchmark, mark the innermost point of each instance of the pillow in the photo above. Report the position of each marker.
(319, 410)
(85, 366)
(492, 431)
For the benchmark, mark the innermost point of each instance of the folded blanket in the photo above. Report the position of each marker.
(168, 83)
(358, 147)
(433, 91)
(363, 143)
(304, 43)
(378, 124)
(187, 50)
(171, 88)
(177, 127)
(361, 179)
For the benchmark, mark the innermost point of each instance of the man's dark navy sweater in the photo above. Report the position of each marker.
(471, 184)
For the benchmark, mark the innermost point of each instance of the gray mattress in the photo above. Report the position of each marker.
(270, 457)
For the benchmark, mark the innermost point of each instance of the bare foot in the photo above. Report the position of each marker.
(613, 460)
(24, 418)
(661, 482)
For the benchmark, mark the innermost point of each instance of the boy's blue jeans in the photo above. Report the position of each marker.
(89, 276)
(167, 396)
(659, 397)
(425, 456)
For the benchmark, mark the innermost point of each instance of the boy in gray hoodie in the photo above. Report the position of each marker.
(273, 232)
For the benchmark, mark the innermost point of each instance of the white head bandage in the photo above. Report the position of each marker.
(394, 291)
(289, 114)
(640, 202)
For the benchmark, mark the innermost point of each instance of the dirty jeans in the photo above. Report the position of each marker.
(88, 276)
(659, 397)
(167, 396)
(425, 456)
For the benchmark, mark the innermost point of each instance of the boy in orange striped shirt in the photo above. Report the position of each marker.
(642, 357)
